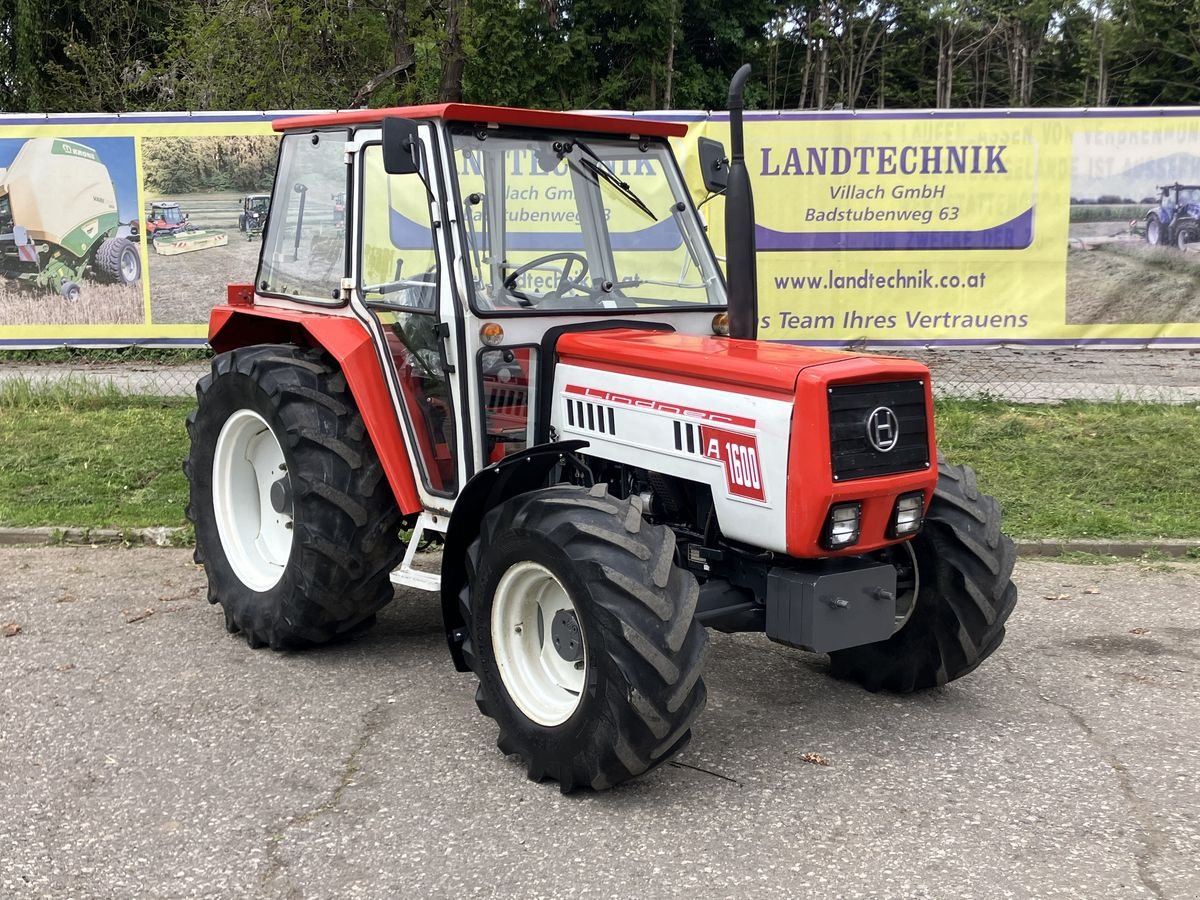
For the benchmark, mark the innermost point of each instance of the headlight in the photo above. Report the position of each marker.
(842, 526)
(907, 515)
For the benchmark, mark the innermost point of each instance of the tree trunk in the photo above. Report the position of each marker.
(453, 58)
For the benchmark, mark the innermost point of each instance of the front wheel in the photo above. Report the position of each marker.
(582, 632)
(964, 595)
(296, 525)
(1185, 237)
(1154, 231)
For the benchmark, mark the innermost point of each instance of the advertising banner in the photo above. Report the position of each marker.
(996, 227)
(120, 230)
(875, 228)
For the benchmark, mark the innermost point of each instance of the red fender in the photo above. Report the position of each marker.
(347, 341)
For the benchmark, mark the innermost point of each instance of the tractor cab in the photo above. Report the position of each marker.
(166, 218)
(253, 216)
(496, 228)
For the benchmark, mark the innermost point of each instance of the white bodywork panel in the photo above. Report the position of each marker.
(735, 443)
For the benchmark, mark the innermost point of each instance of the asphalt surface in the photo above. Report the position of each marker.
(147, 753)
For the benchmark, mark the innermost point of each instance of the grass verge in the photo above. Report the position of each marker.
(1082, 470)
(77, 455)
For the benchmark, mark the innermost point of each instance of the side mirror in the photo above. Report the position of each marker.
(714, 164)
(401, 146)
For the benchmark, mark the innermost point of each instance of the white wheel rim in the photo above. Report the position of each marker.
(256, 539)
(545, 687)
(129, 265)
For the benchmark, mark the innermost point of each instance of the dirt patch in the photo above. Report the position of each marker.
(1132, 283)
(183, 288)
(100, 303)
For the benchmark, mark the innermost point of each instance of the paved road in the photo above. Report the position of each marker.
(148, 754)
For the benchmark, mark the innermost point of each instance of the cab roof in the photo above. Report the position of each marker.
(486, 115)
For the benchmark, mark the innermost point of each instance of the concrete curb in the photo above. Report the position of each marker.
(90, 537)
(175, 537)
(1124, 549)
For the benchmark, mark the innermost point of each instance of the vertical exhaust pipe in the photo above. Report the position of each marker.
(741, 271)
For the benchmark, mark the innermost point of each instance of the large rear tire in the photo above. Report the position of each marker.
(582, 632)
(964, 596)
(296, 524)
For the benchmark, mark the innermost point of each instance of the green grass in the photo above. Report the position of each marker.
(76, 455)
(1114, 212)
(1082, 470)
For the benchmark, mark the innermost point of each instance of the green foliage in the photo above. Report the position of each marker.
(185, 165)
(123, 55)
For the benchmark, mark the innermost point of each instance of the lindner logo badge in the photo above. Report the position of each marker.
(883, 429)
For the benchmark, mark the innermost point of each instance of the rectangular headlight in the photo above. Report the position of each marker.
(908, 515)
(842, 526)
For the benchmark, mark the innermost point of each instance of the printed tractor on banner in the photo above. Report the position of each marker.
(171, 232)
(522, 344)
(59, 219)
(1176, 219)
(253, 216)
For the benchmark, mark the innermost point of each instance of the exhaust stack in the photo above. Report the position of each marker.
(741, 271)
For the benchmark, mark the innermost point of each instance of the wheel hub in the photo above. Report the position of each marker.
(281, 495)
(564, 631)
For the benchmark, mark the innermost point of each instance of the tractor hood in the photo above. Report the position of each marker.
(720, 362)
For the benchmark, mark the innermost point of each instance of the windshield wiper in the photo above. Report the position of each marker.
(600, 168)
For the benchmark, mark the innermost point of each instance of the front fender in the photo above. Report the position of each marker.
(513, 475)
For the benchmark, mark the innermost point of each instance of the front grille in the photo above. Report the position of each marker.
(850, 406)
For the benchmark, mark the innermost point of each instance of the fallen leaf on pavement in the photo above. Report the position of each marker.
(1058, 596)
(138, 617)
(1138, 630)
(10, 629)
(817, 759)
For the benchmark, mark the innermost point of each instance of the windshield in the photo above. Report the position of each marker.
(581, 224)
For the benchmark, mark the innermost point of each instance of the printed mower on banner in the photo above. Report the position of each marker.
(521, 342)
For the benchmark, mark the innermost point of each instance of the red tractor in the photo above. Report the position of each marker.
(522, 342)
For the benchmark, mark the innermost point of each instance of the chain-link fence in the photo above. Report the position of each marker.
(1016, 374)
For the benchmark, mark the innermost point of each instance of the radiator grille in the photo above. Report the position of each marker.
(851, 405)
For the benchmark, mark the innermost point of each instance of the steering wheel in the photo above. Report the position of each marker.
(565, 283)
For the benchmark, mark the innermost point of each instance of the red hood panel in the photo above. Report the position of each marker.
(749, 364)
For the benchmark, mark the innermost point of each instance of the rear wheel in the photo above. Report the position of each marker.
(296, 525)
(118, 259)
(583, 636)
(964, 595)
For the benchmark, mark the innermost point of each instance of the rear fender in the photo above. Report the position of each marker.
(345, 339)
(513, 475)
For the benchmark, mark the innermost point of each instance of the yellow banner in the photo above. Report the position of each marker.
(999, 227)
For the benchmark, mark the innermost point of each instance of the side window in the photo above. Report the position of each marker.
(399, 263)
(305, 246)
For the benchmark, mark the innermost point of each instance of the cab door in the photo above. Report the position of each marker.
(403, 293)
